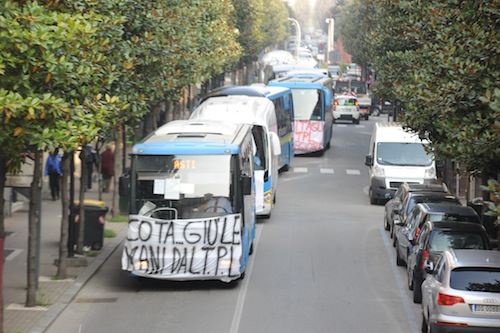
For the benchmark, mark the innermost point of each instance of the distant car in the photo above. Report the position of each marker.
(379, 107)
(401, 193)
(462, 292)
(402, 211)
(436, 237)
(406, 236)
(346, 107)
(334, 72)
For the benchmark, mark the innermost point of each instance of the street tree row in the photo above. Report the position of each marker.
(75, 72)
(439, 59)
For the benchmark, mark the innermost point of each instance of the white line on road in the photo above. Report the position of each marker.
(235, 324)
(352, 172)
(326, 170)
(302, 170)
(412, 321)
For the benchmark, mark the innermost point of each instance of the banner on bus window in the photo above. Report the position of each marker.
(194, 249)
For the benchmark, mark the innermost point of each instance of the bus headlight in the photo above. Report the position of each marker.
(267, 197)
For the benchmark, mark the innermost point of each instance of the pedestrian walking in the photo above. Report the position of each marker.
(107, 167)
(53, 170)
(90, 161)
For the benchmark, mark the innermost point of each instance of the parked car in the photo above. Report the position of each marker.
(346, 107)
(401, 193)
(406, 235)
(462, 292)
(402, 211)
(434, 238)
(379, 107)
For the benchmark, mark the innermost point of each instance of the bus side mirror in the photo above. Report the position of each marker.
(369, 160)
(247, 185)
(275, 144)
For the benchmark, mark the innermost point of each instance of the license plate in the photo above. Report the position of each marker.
(486, 308)
(345, 109)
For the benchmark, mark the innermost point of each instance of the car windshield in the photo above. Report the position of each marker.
(453, 217)
(451, 239)
(413, 201)
(403, 154)
(346, 101)
(476, 279)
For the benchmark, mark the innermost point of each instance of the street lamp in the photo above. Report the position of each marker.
(298, 36)
(330, 42)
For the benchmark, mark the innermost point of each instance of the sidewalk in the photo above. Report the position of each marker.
(53, 295)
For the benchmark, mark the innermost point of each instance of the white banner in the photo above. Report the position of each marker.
(194, 249)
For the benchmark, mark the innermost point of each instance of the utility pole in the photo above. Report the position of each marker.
(330, 41)
(298, 37)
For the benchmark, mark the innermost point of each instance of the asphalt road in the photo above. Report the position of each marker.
(322, 263)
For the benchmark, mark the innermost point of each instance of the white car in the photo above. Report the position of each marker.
(346, 107)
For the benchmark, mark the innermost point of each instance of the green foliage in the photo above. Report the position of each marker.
(260, 23)
(440, 59)
(108, 233)
(493, 206)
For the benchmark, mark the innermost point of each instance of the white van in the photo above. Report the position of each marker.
(396, 156)
(259, 112)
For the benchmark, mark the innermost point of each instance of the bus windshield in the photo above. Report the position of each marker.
(307, 104)
(182, 186)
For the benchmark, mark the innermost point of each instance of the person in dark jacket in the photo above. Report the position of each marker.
(107, 167)
(53, 170)
(91, 160)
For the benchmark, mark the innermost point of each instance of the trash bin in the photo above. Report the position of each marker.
(95, 218)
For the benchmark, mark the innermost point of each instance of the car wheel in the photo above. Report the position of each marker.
(399, 261)
(417, 291)
(366, 117)
(425, 327)
(386, 222)
(373, 201)
(356, 121)
(410, 278)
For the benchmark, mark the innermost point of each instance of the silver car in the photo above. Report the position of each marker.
(462, 292)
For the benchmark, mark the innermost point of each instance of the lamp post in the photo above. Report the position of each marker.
(330, 42)
(298, 36)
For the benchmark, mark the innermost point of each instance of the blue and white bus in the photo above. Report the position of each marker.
(313, 117)
(192, 214)
(283, 107)
(260, 113)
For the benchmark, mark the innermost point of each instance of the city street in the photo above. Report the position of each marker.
(322, 263)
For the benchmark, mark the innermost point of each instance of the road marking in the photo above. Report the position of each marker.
(302, 170)
(412, 321)
(235, 324)
(352, 172)
(12, 253)
(330, 171)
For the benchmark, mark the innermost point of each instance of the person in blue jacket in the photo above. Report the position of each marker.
(53, 170)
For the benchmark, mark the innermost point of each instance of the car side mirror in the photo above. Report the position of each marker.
(429, 267)
(369, 160)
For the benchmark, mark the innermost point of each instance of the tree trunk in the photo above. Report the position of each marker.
(34, 233)
(119, 160)
(81, 212)
(63, 242)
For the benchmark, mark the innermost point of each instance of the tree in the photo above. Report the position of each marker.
(440, 59)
